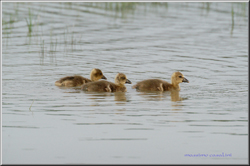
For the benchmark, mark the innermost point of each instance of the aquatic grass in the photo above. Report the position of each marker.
(7, 27)
(73, 41)
(29, 22)
(240, 8)
(68, 5)
(52, 44)
(31, 105)
(52, 51)
(207, 6)
(122, 9)
(65, 37)
(243, 8)
(115, 6)
(70, 39)
(55, 48)
(42, 52)
(232, 14)
(16, 8)
(65, 41)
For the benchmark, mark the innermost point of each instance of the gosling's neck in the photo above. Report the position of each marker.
(175, 84)
(92, 77)
(118, 83)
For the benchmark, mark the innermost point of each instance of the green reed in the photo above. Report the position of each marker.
(70, 39)
(7, 28)
(52, 43)
(242, 7)
(29, 22)
(42, 52)
(31, 105)
(232, 14)
(8, 25)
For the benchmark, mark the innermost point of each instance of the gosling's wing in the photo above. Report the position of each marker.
(66, 78)
(98, 86)
(149, 85)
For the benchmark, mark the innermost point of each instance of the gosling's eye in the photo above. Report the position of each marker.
(100, 74)
(123, 78)
(180, 76)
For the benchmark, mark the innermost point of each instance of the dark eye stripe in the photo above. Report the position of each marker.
(180, 76)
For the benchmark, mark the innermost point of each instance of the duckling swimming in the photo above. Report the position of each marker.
(106, 86)
(73, 81)
(160, 85)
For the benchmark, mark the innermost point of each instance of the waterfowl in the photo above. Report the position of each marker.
(160, 85)
(106, 86)
(73, 81)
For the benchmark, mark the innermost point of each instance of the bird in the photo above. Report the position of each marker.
(106, 86)
(74, 81)
(161, 85)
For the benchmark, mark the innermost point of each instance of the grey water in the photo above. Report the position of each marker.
(206, 122)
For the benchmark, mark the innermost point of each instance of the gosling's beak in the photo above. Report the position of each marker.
(185, 80)
(128, 81)
(103, 77)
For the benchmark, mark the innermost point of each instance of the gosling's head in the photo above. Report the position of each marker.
(96, 74)
(121, 79)
(178, 77)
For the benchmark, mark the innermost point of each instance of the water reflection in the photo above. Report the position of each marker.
(175, 96)
(70, 89)
(97, 95)
(153, 96)
(118, 96)
(159, 95)
(124, 9)
(72, 37)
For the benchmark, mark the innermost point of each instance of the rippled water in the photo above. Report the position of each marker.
(205, 123)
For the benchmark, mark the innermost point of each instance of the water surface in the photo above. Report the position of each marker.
(205, 123)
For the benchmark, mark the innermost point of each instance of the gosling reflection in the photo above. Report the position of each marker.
(154, 96)
(161, 95)
(175, 96)
(118, 96)
(97, 95)
(70, 89)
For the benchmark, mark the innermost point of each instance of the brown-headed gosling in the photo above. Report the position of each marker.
(73, 81)
(106, 86)
(160, 85)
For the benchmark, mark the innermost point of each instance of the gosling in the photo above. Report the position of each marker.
(74, 81)
(106, 86)
(160, 85)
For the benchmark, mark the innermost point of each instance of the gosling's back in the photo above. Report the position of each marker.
(153, 85)
(160, 85)
(106, 86)
(72, 81)
(103, 86)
